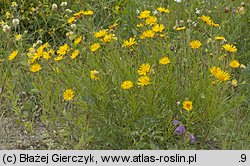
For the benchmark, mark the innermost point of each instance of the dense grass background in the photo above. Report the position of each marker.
(104, 116)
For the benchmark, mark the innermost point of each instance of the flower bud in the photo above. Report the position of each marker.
(15, 22)
(54, 7)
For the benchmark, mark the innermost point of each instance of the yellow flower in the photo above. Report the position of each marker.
(58, 58)
(180, 28)
(12, 55)
(100, 33)
(144, 14)
(143, 80)
(222, 76)
(127, 43)
(107, 38)
(234, 64)
(195, 44)
(88, 12)
(230, 48)
(71, 20)
(77, 40)
(68, 94)
(35, 68)
(208, 21)
(164, 60)
(126, 85)
(234, 83)
(74, 54)
(158, 28)
(46, 55)
(18, 37)
(163, 10)
(205, 18)
(215, 70)
(187, 105)
(151, 20)
(144, 69)
(147, 34)
(94, 47)
(62, 50)
(219, 38)
(94, 74)
(219, 74)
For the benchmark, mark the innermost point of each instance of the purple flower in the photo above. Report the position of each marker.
(180, 129)
(192, 138)
(176, 122)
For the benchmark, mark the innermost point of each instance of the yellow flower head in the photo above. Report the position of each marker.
(68, 94)
(127, 85)
(94, 74)
(71, 20)
(144, 69)
(230, 48)
(107, 38)
(205, 18)
(219, 38)
(180, 28)
(77, 40)
(12, 55)
(101, 33)
(88, 12)
(46, 55)
(215, 70)
(147, 34)
(158, 28)
(163, 10)
(35, 68)
(208, 21)
(143, 80)
(234, 64)
(164, 60)
(58, 58)
(128, 43)
(234, 83)
(195, 44)
(62, 50)
(144, 14)
(94, 47)
(18, 37)
(151, 20)
(74, 54)
(222, 76)
(187, 105)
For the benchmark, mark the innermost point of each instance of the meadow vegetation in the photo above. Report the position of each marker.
(125, 74)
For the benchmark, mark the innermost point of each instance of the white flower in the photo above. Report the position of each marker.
(39, 42)
(15, 22)
(178, 1)
(73, 26)
(68, 11)
(6, 28)
(155, 12)
(63, 4)
(197, 11)
(54, 6)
